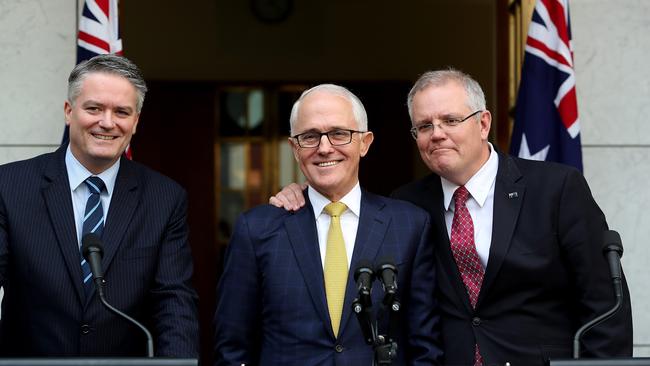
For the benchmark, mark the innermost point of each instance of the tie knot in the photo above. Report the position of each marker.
(460, 196)
(335, 209)
(95, 184)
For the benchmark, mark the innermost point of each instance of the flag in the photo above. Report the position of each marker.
(546, 115)
(98, 34)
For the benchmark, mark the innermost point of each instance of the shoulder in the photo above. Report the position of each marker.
(269, 218)
(397, 208)
(149, 178)
(413, 191)
(19, 171)
(537, 172)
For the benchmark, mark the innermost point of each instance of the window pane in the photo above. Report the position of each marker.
(233, 166)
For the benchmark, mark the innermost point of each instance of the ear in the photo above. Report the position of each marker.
(294, 147)
(366, 141)
(485, 123)
(67, 110)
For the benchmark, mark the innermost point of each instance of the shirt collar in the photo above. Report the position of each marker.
(77, 173)
(479, 185)
(352, 200)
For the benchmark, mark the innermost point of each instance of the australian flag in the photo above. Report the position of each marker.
(98, 34)
(546, 116)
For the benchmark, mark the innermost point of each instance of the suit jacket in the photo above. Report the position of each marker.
(147, 264)
(272, 308)
(545, 277)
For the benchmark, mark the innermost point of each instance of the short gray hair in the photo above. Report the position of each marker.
(358, 110)
(475, 95)
(107, 64)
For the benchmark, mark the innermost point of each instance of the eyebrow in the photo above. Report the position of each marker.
(91, 102)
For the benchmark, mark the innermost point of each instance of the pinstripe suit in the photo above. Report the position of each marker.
(272, 308)
(147, 264)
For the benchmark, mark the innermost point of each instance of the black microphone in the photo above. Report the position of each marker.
(364, 277)
(613, 251)
(93, 250)
(387, 274)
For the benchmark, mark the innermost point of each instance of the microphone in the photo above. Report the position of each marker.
(362, 305)
(364, 277)
(613, 251)
(93, 250)
(387, 274)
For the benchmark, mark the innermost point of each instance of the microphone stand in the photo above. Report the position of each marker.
(99, 284)
(384, 345)
(613, 250)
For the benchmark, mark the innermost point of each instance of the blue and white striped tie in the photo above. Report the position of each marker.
(93, 222)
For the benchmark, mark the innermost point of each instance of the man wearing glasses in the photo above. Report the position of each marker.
(285, 297)
(517, 242)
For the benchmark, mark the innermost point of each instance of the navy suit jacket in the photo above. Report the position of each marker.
(546, 274)
(272, 308)
(147, 264)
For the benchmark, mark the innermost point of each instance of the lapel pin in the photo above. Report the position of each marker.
(513, 195)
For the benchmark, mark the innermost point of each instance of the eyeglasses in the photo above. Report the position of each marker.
(336, 137)
(445, 124)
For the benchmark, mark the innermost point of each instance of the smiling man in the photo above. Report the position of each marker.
(47, 205)
(285, 297)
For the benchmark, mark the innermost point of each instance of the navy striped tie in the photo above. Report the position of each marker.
(93, 222)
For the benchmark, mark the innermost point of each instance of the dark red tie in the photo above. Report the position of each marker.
(465, 255)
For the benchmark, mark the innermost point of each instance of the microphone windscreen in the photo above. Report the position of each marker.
(385, 263)
(362, 266)
(612, 242)
(91, 243)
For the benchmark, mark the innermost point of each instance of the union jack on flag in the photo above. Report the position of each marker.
(98, 30)
(98, 35)
(546, 117)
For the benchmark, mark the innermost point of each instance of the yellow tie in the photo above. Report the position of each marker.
(336, 265)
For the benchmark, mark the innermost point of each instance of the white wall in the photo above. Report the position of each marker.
(611, 49)
(37, 52)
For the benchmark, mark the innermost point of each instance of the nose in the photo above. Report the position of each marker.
(107, 120)
(437, 133)
(325, 145)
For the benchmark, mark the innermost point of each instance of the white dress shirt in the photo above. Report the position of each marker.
(77, 174)
(480, 204)
(349, 219)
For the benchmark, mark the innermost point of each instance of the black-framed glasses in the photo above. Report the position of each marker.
(445, 124)
(336, 137)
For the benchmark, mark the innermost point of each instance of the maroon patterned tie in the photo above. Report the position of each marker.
(465, 255)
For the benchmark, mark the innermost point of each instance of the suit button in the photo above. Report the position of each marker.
(85, 329)
(338, 348)
(476, 321)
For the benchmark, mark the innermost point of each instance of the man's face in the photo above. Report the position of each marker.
(101, 120)
(331, 170)
(455, 153)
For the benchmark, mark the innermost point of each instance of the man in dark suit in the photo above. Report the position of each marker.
(48, 203)
(519, 257)
(285, 297)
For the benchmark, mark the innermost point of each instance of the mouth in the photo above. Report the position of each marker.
(104, 137)
(327, 163)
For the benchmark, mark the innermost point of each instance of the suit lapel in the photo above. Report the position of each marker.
(508, 198)
(301, 230)
(124, 200)
(433, 201)
(373, 223)
(57, 196)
